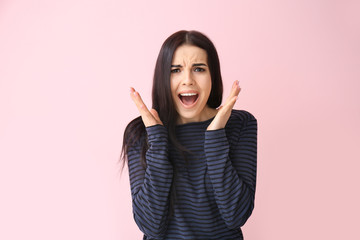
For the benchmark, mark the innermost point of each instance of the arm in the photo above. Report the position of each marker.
(232, 171)
(150, 187)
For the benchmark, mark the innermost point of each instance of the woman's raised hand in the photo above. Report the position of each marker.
(149, 117)
(224, 111)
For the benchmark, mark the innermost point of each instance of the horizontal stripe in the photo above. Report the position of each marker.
(214, 186)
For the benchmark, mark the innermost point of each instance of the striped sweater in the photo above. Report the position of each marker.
(214, 186)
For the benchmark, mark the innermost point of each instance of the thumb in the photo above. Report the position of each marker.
(155, 114)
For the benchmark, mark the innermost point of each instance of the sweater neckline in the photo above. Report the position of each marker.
(201, 123)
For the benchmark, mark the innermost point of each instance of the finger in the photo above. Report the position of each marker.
(223, 115)
(235, 90)
(228, 106)
(146, 115)
(135, 96)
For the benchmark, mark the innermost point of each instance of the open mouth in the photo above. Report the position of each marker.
(188, 99)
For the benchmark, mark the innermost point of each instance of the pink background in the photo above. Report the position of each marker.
(65, 72)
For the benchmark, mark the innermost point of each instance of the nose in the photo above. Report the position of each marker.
(188, 78)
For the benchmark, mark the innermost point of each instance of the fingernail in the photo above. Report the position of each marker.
(236, 85)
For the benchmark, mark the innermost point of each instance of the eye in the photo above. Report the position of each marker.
(176, 70)
(198, 69)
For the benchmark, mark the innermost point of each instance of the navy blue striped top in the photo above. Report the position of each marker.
(214, 186)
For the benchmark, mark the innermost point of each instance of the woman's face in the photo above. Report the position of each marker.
(191, 84)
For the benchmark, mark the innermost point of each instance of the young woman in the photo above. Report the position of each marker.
(192, 164)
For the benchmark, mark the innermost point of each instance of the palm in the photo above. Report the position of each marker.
(149, 117)
(224, 111)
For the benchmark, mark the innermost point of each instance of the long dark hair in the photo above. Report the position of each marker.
(162, 100)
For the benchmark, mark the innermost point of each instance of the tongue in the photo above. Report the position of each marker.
(188, 100)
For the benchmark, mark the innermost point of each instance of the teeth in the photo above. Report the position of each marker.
(188, 94)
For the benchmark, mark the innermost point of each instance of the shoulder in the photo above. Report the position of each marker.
(240, 122)
(241, 117)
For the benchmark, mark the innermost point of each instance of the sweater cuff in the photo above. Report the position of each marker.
(156, 131)
(215, 134)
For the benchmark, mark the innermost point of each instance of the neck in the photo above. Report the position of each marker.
(206, 114)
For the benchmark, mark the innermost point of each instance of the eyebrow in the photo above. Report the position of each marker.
(194, 65)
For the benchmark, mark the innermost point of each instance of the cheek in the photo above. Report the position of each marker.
(208, 85)
(173, 89)
(172, 85)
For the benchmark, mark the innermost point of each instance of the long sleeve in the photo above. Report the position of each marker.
(150, 187)
(232, 163)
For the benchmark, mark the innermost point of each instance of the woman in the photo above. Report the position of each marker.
(192, 164)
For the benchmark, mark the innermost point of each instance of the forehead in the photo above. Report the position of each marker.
(189, 54)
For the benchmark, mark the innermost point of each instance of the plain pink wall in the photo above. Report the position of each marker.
(65, 72)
